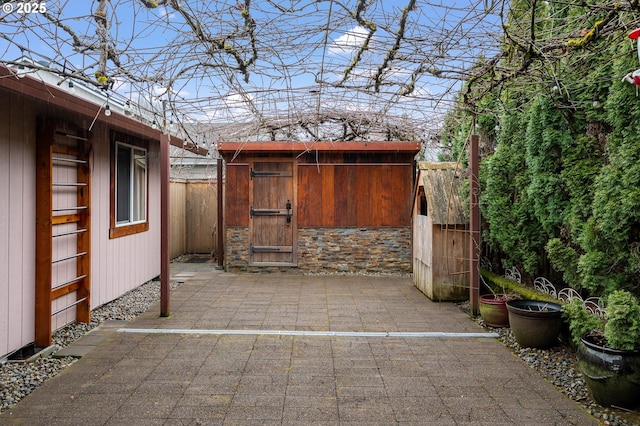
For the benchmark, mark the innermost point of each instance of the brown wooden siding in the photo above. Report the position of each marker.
(312, 185)
(354, 195)
(335, 189)
(343, 198)
(237, 194)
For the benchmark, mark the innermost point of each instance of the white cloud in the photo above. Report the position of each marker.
(349, 41)
(160, 92)
(233, 107)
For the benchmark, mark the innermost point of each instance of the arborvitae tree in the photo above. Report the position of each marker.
(506, 206)
(583, 156)
(547, 132)
(611, 238)
(581, 164)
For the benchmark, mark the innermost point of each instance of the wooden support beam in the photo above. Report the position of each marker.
(165, 227)
(44, 244)
(83, 175)
(474, 223)
(64, 290)
(65, 218)
(53, 148)
(221, 230)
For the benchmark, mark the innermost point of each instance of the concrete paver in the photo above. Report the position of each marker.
(89, 341)
(228, 379)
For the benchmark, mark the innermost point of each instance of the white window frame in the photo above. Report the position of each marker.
(137, 200)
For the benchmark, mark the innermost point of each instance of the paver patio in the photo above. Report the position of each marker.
(211, 377)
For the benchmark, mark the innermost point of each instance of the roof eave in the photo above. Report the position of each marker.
(301, 147)
(53, 95)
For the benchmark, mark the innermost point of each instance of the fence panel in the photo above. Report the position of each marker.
(178, 200)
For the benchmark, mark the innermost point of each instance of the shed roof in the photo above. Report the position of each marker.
(301, 147)
(441, 183)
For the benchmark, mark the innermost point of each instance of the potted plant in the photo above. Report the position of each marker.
(493, 306)
(535, 323)
(609, 349)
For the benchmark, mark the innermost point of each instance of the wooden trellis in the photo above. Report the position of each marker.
(63, 233)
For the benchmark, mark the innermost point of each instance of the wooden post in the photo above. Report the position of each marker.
(44, 245)
(474, 222)
(83, 309)
(165, 226)
(220, 233)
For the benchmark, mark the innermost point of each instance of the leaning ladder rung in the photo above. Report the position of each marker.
(69, 306)
(62, 234)
(69, 160)
(64, 209)
(73, 256)
(69, 184)
(72, 280)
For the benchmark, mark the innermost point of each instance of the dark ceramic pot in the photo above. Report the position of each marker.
(493, 309)
(535, 324)
(612, 376)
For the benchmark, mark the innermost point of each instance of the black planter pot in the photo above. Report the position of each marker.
(612, 376)
(535, 324)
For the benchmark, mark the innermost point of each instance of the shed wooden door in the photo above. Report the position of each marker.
(272, 223)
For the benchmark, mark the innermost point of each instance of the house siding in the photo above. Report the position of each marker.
(17, 223)
(117, 265)
(120, 264)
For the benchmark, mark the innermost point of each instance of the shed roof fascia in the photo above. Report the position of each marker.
(301, 147)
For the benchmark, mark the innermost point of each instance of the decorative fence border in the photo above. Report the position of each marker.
(593, 305)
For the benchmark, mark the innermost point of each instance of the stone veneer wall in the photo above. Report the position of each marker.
(362, 249)
(236, 254)
(340, 249)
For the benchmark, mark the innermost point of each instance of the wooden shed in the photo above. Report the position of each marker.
(80, 205)
(440, 233)
(324, 206)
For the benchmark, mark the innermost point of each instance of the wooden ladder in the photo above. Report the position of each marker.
(63, 232)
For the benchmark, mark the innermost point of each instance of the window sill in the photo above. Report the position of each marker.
(123, 231)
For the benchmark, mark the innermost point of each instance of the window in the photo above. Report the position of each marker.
(129, 183)
(422, 203)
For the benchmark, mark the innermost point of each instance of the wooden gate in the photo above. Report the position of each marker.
(63, 237)
(272, 220)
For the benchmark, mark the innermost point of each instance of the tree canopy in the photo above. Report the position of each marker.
(365, 69)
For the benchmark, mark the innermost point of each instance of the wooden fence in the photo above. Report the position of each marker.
(194, 216)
